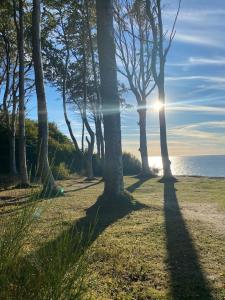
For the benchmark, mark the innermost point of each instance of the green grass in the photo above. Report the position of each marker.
(169, 245)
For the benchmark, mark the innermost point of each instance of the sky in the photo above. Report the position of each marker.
(195, 87)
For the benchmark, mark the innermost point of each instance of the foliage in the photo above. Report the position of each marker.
(53, 272)
(60, 149)
(131, 165)
(60, 172)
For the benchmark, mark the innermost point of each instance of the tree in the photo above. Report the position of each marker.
(61, 31)
(9, 64)
(113, 167)
(134, 51)
(159, 54)
(43, 169)
(24, 181)
(98, 102)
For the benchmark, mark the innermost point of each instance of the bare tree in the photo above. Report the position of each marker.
(113, 167)
(134, 51)
(43, 171)
(159, 54)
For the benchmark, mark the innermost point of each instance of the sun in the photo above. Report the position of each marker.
(158, 105)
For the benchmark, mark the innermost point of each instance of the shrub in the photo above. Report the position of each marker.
(60, 171)
(131, 165)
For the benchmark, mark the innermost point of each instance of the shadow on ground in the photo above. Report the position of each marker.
(187, 277)
(55, 256)
(137, 184)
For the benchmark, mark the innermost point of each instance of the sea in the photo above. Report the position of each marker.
(202, 165)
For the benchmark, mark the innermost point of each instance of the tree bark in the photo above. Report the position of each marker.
(163, 134)
(24, 181)
(12, 154)
(43, 169)
(113, 166)
(143, 143)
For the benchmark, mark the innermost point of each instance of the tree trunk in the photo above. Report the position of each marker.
(43, 169)
(98, 123)
(143, 143)
(113, 166)
(89, 166)
(64, 105)
(97, 138)
(89, 163)
(167, 174)
(12, 154)
(24, 181)
(82, 137)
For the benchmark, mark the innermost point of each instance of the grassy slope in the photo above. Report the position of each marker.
(160, 250)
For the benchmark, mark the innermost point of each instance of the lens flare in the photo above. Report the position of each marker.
(158, 105)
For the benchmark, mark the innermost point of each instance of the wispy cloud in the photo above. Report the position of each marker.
(215, 79)
(201, 39)
(200, 61)
(199, 131)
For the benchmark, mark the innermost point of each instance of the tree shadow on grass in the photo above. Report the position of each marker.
(137, 184)
(187, 277)
(55, 255)
(86, 186)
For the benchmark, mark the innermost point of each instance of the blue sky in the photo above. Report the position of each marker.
(195, 86)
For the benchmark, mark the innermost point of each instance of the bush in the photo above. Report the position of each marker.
(131, 165)
(60, 171)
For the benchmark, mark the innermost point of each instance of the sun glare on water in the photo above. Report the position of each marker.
(158, 105)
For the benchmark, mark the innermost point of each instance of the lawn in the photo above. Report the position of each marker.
(168, 244)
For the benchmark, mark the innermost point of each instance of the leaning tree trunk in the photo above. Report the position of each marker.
(43, 169)
(113, 167)
(24, 181)
(143, 143)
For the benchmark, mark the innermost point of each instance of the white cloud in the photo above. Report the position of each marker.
(202, 38)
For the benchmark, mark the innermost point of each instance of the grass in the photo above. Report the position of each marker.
(168, 245)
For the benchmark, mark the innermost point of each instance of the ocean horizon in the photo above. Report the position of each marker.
(199, 165)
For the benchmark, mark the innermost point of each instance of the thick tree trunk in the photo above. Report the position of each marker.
(113, 166)
(24, 181)
(167, 174)
(143, 143)
(43, 169)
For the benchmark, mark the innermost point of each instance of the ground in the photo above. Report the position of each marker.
(169, 244)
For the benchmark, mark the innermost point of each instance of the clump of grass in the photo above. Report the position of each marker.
(55, 271)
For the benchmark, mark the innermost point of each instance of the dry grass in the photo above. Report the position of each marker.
(169, 246)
